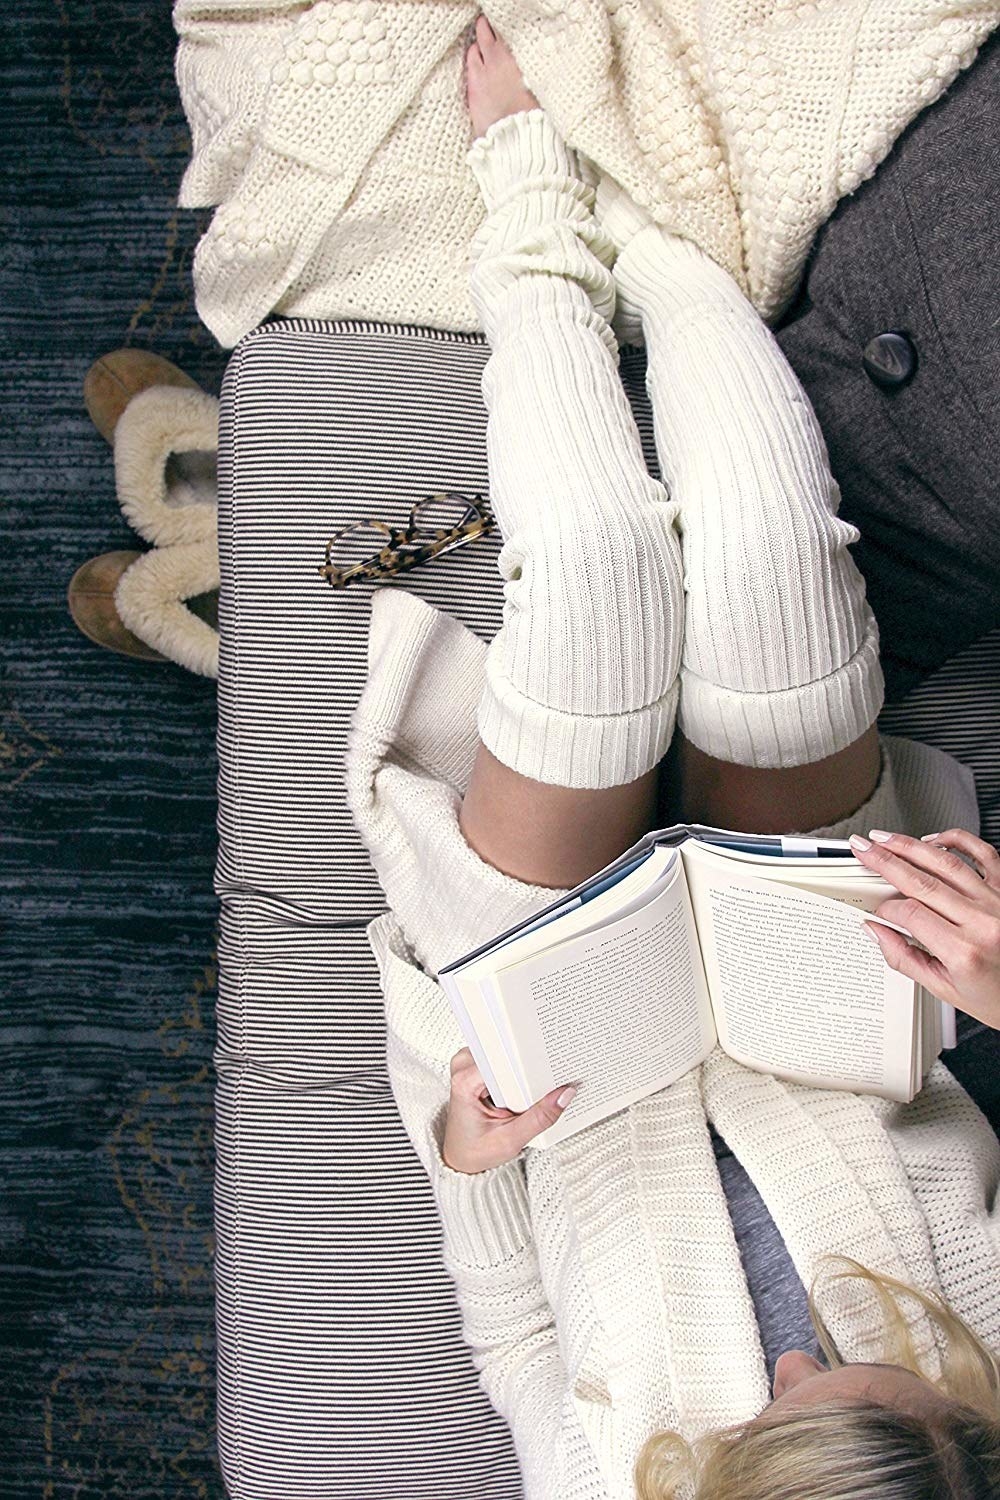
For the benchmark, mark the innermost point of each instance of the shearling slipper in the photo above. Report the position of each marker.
(150, 602)
(155, 426)
(177, 514)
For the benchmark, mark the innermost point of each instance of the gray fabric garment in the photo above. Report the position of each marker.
(779, 1297)
(914, 250)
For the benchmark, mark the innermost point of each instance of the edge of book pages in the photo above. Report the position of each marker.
(793, 846)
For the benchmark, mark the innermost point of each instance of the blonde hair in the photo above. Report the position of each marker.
(850, 1449)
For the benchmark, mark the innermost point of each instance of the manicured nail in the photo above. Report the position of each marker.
(928, 838)
(879, 835)
(566, 1096)
(857, 842)
(871, 933)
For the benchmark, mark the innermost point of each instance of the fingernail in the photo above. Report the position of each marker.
(857, 842)
(926, 838)
(879, 835)
(566, 1096)
(870, 931)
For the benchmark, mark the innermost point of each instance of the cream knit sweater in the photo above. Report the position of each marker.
(332, 137)
(600, 1283)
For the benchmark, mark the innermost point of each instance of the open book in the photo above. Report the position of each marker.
(696, 937)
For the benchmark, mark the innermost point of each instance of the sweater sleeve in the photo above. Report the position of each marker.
(509, 1325)
(488, 1246)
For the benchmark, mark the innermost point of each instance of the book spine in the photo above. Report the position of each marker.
(472, 1041)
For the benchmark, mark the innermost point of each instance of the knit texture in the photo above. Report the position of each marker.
(780, 648)
(600, 1284)
(332, 137)
(582, 678)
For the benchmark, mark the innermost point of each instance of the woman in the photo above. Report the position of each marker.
(623, 1284)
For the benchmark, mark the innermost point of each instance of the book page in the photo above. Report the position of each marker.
(843, 879)
(798, 988)
(846, 880)
(481, 1035)
(605, 878)
(472, 992)
(622, 1009)
(601, 903)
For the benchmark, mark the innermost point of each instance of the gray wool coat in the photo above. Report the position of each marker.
(896, 338)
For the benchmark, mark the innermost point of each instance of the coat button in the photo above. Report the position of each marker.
(890, 360)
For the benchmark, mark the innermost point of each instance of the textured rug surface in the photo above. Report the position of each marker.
(107, 773)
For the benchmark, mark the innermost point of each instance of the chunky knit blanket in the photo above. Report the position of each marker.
(333, 137)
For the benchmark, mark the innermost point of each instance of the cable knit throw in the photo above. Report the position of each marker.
(333, 136)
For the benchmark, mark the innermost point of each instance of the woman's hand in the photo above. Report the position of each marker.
(954, 911)
(478, 1135)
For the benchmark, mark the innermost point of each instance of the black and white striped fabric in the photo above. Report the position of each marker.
(342, 1371)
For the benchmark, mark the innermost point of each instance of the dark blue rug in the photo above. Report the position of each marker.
(107, 768)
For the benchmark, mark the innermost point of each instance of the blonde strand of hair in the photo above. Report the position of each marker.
(850, 1451)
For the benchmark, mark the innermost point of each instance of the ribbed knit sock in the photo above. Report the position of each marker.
(621, 218)
(582, 678)
(780, 663)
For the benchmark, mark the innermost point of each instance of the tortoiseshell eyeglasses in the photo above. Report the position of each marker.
(439, 524)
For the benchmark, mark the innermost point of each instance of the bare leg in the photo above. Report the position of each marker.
(552, 835)
(557, 836)
(698, 788)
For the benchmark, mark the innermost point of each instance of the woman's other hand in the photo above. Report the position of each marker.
(950, 907)
(478, 1135)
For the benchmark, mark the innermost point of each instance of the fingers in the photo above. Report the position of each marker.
(939, 879)
(524, 1127)
(469, 1087)
(957, 953)
(914, 962)
(935, 932)
(478, 1135)
(985, 856)
(467, 1082)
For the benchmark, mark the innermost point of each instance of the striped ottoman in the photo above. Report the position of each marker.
(342, 1371)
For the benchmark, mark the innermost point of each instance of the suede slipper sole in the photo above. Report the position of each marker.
(91, 599)
(112, 381)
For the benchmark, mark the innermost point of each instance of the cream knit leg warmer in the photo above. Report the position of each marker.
(780, 662)
(582, 678)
